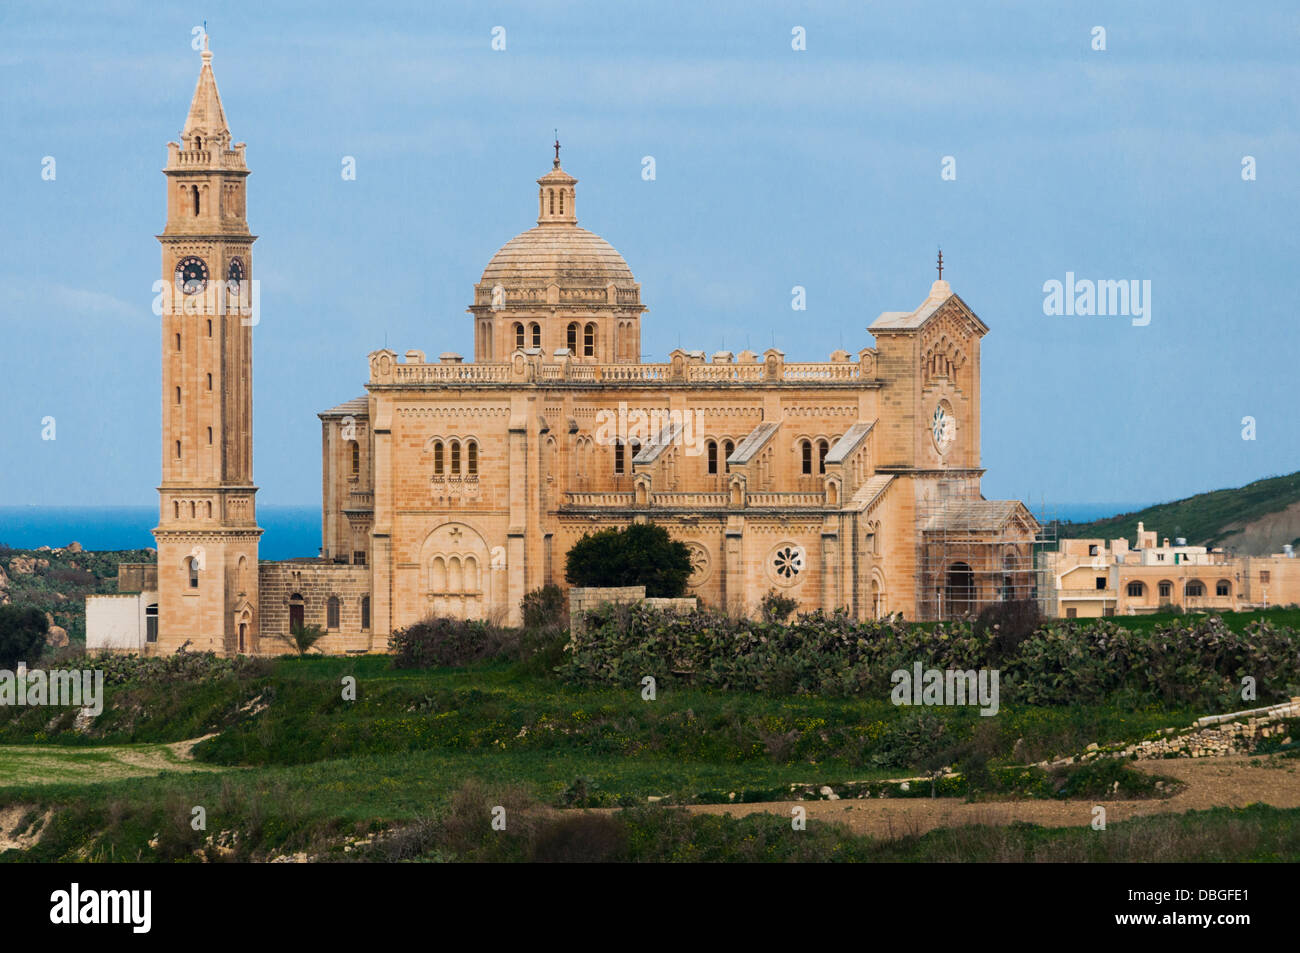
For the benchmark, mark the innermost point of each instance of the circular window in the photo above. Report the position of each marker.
(943, 426)
(786, 564)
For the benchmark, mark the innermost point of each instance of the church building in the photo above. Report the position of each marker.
(454, 486)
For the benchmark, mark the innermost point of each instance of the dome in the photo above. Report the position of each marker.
(560, 253)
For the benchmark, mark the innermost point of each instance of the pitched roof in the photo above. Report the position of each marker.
(987, 516)
(357, 406)
(757, 438)
(653, 448)
(940, 295)
(850, 441)
(871, 491)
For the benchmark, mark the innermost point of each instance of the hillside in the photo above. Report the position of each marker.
(1256, 519)
(57, 581)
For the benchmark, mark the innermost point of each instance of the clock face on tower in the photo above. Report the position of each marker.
(234, 275)
(943, 426)
(191, 275)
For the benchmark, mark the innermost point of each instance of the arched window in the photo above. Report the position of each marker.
(151, 622)
(332, 613)
(455, 457)
(356, 459)
(537, 334)
(198, 143)
(561, 201)
(209, 436)
(176, 509)
(209, 382)
(365, 612)
(209, 327)
(1195, 589)
(618, 456)
(178, 449)
(471, 458)
(193, 512)
(519, 335)
(209, 507)
(806, 446)
(589, 341)
(1166, 589)
(1136, 590)
(178, 340)
(297, 612)
(571, 341)
(437, 457)
(728, 448)
(178, 395)
(712, 449)
(552, 194)
(1223, 588)
(822, 448)
(195, 190)
(193, 567)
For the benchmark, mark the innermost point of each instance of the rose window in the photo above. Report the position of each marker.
(787, 562)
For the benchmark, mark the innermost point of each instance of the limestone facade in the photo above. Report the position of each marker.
(454, 487)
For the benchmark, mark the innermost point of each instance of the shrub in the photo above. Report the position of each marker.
(545, 606)
(22, 635)
(1008, 624)
(1197, 661)
(774, 607)
(642, 554)
(581, 839)
(436, 642)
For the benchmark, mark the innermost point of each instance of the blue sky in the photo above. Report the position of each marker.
(775, 168)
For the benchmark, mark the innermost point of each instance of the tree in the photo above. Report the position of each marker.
(22, 635)
(303, 637)
(642, 554)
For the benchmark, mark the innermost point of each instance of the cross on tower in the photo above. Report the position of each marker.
(941, 264)
(557, 148)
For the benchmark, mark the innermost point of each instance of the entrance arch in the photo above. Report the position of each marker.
(959, 590)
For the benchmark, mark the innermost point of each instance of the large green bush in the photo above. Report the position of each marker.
(642, 554)
(1200, 663)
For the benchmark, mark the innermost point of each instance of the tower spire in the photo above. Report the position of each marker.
(206, 122)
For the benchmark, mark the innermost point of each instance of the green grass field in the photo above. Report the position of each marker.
(292, 765)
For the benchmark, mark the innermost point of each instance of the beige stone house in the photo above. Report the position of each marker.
(453, 486)
(1095, 577)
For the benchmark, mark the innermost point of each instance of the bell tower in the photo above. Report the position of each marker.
(207, 531)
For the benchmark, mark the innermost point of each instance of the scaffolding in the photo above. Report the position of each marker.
(973, 553)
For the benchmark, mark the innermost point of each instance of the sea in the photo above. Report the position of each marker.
(290, 530)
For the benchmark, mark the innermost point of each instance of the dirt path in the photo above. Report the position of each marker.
(1210, 782)
(43, 764)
